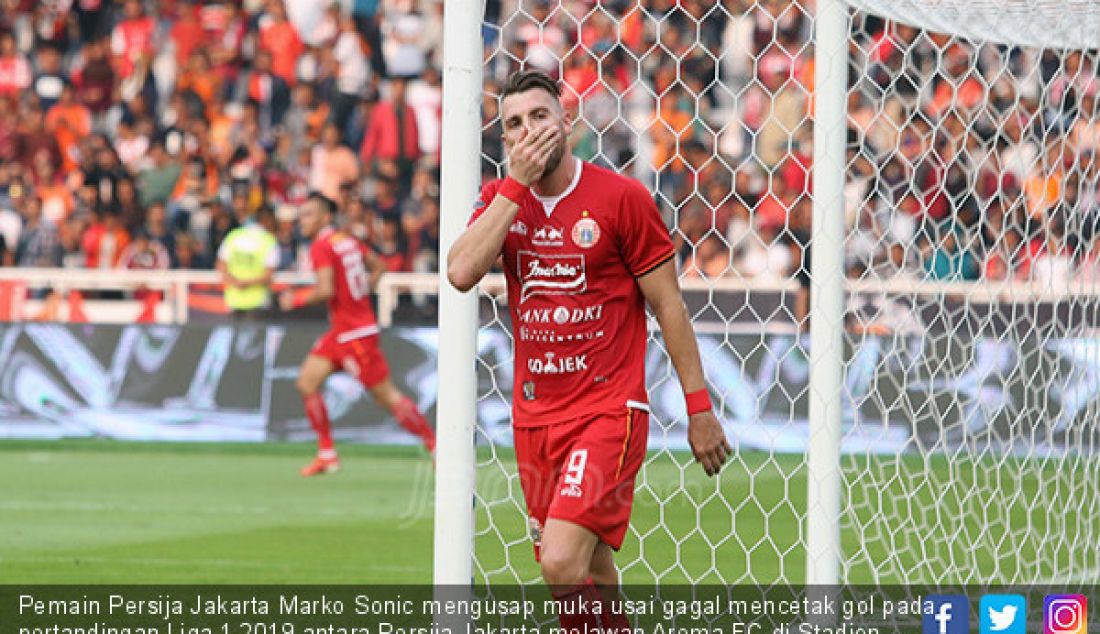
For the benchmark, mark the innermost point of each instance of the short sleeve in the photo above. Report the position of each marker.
(271, 261)
(320, 256)
(643, 238)
(488, 193)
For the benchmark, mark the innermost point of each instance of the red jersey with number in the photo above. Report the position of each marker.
(578, 314)
(350, 312)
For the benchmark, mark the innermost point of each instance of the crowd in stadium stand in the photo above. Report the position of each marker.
(138, 134)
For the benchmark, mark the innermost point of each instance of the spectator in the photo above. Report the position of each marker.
(279, 38)
(391, 245)
(157, 228)
(709, 260)
(95, 80)
(132, 39)
(49, 80)
(188, 253)
(352, 74)
(425, 97)
(247, 259)
(289, 242)
(57, 200)
(144, 254)
(70, 235)
(187, 33)
(222, 221)
(131, 212)
(945, 260)
(68, 121)
(391, 143)
(267, 91)
(403, 30)
(332, 165)
(15, 70)
(1052, 267)
(159, 179)
(105, 240)
(39, 244)
(32, 140)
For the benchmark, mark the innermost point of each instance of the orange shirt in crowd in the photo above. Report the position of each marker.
(672, 124)
(203, 84)
(969, 95)
(69, 123)
(103, 247)
(282, 41)
(1042, 193)
(57, 202)
(188, 33)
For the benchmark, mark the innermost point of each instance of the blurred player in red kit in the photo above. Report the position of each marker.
(347, 272)
(584, 250)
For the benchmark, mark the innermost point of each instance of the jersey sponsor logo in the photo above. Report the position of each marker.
(553, 336)
(562, 315)
(518, 227)
(343, 244)
(528, 390)
(548, 236)
(586, 233)
(551, 274)
(571, 491)
(554, 365)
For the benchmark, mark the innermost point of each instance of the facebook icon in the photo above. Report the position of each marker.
(945, 614)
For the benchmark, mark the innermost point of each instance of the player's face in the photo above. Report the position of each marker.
(529, 112)
(312, 218)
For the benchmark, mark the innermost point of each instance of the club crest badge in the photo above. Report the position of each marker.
(586, 233)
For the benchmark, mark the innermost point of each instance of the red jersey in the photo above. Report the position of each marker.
(130, 39)
(578, 314)
(350, 312)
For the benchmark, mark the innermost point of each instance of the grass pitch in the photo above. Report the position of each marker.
(89, 511)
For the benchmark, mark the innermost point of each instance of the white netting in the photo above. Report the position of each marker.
(1071, 24)
(973, 252)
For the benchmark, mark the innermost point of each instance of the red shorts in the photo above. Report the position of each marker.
(360, 357)
(583, 471)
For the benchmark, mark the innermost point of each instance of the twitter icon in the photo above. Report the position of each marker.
(1003, 614)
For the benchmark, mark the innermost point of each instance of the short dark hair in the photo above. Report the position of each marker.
(326, 203)
(524, 80)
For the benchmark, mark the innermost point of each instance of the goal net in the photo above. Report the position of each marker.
(971, 365)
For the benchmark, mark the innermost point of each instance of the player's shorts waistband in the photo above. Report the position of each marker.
(357, 333)
(536, 423)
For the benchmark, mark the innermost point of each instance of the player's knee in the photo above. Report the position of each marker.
(306, 386)
(563, 569)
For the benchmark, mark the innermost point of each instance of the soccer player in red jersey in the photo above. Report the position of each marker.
(347, 272)
(584, 250)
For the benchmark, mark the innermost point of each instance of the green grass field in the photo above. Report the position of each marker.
(107, 512)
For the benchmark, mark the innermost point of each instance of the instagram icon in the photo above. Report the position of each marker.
(1065, 614)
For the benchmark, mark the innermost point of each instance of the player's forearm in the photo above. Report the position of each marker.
(473, 254)
(681, 345)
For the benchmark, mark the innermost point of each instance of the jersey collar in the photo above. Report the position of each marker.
(550, 202)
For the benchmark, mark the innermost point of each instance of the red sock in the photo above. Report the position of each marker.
(318, 419)
(579, 609)
(409, 417)
(612, 618)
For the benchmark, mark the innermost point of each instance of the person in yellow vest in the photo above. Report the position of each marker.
(247, 260)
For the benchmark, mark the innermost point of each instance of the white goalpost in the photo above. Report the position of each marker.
(887, 217)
